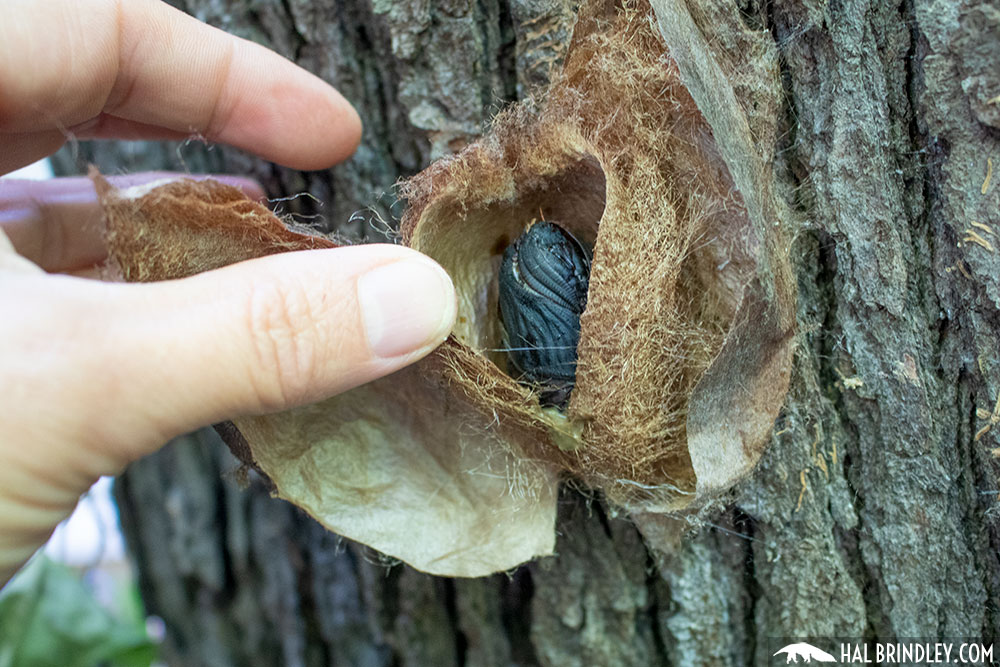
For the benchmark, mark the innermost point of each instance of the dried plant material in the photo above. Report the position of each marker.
(972, 237)
(994, 419)
(685, 344)
(389, 464)
(983, 227)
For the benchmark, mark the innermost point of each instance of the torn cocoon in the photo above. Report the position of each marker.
(684, 348)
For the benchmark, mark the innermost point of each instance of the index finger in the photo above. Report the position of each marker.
(64, 63)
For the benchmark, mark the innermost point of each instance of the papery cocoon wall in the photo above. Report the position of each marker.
(685, 343)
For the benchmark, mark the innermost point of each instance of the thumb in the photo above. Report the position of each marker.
(269, 334)
(98, 374)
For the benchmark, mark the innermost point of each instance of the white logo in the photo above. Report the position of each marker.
(806, 651)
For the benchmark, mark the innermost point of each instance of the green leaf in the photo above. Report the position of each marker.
(49, 617)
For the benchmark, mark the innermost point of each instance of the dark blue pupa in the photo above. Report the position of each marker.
(543, 284)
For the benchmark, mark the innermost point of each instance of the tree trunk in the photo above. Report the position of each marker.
(874, 511)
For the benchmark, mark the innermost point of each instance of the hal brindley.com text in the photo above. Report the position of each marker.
(916, 652)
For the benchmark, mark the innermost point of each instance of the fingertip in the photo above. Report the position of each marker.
(287, 329)
(282, 112)
(351, 131)
(407, 307)
(323, 131)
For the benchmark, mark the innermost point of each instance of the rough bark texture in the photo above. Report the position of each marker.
(874, 513)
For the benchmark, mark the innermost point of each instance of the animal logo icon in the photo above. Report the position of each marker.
(807, 652)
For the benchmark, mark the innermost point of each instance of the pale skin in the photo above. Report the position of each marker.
(97, 374)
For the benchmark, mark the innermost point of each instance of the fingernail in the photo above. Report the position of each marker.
(406, 305)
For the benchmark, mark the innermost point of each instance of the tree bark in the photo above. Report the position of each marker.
(874, 512)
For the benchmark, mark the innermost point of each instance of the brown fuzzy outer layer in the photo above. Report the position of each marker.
(182, 227)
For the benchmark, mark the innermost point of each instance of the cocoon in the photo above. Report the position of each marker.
(684, 348)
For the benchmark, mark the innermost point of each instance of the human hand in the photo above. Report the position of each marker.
(95, 374)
